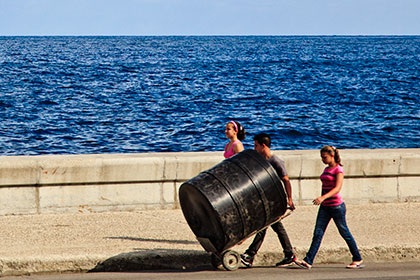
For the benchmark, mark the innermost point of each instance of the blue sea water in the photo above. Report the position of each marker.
(78, 95)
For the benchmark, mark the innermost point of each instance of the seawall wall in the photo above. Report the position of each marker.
(128, 182)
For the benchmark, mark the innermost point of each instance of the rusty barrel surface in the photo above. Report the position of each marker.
(232, 200)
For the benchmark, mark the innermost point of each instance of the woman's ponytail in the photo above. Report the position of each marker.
(332, 151)
(241, 131)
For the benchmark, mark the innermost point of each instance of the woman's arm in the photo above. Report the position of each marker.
(239, 147)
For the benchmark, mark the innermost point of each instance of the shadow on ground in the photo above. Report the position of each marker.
(185, 242)
(162, 259)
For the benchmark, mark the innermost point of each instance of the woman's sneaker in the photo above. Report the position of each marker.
(287, 261)
(247, 260)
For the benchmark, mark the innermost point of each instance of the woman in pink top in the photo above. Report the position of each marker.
(235, 132)
(331, 207)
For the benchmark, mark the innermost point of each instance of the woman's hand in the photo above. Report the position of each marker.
(318, 200)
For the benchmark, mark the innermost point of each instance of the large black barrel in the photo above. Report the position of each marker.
(231, 201)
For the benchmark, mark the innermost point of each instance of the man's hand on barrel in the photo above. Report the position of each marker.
(290, 204)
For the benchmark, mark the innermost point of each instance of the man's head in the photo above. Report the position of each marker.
(262, 143)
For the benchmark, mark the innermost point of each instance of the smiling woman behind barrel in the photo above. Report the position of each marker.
(235, 132)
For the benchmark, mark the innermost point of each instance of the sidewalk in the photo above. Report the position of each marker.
(161, 239)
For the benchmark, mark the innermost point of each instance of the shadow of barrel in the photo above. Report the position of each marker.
(162, 259)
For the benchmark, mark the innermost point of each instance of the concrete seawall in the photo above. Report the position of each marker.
(114, 182)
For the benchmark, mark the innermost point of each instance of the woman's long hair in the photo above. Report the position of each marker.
(240, 132)
(332, 151)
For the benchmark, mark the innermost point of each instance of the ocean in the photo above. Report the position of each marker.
(85, 95)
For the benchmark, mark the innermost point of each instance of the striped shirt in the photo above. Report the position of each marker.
(329, 180)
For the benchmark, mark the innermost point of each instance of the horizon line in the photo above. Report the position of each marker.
(211, 35)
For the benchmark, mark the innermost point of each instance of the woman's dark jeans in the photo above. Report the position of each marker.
(325, 214)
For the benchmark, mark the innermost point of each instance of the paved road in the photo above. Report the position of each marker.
(374, 271)
(161, 239)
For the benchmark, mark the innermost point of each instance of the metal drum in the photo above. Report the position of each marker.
(231, 201)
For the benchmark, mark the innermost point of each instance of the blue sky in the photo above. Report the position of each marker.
(210, 17)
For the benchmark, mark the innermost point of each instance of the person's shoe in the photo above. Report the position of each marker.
(286, 261)
(247, 260)
(303, 264)
(356, 265)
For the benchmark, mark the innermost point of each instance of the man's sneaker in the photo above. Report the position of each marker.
(247, 260)
(287, 261)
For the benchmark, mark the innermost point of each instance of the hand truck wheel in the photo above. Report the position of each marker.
(231, 260)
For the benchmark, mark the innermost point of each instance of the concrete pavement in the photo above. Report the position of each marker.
(161, 239)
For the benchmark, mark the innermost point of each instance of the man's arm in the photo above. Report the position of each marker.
(288, 186)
